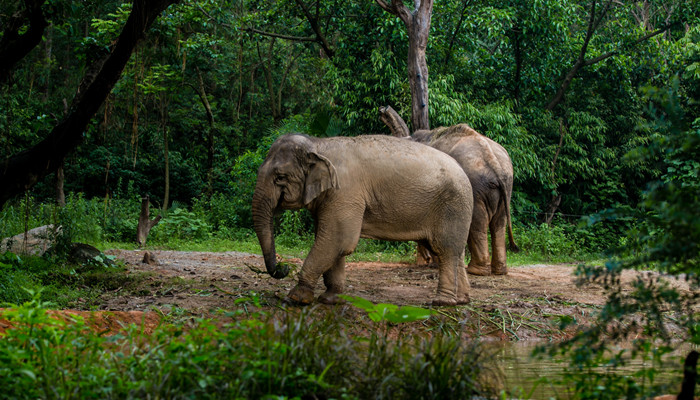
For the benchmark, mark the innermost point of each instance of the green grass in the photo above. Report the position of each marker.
(67, 284)
(367, 250)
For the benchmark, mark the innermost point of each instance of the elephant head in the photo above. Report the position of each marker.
(292, 176)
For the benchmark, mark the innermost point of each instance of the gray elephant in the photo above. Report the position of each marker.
(490, 172)
(373, 186)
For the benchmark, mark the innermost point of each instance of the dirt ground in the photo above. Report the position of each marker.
(525, 304)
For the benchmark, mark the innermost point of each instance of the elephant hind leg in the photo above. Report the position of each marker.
(479, 252)
(453, 284)
(479, 240)
(334, 279)
(498, 243)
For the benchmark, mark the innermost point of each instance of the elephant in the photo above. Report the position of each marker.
(490, 172)
(371, 186)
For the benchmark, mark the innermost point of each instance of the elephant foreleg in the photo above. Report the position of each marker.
(333, 242)
(316, 263)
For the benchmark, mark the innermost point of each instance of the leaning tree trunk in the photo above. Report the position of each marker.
(394, 122)
(22, 32)
(21, 171)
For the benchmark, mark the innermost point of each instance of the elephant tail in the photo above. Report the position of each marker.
(511, 242)
(504, 183)
(505, 198)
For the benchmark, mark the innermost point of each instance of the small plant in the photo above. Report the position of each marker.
(388, 312)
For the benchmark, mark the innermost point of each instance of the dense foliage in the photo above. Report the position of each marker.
(213, 78)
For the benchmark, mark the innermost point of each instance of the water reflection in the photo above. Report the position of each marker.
(535, 378)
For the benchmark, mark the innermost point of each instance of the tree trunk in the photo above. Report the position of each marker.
(145, 222)
(166, 158)
(518, 55)
(60, 194)
(556, 196)
(418, 27)
(201, 91)
(21, 171)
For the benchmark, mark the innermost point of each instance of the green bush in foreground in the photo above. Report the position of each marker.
(293, 356)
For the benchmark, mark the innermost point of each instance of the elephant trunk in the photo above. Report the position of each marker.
(264, 205)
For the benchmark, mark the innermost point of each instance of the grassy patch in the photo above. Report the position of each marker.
(66, 284)
(304, 354)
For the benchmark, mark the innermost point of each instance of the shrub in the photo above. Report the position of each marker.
(295, 356)
(547, 241)
(179, 223)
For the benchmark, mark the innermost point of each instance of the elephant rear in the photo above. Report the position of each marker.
(410, 191)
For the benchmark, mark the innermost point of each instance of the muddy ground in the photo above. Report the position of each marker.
(525, 304)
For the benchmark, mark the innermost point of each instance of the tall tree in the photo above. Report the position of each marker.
(418, 27)
(23, 170)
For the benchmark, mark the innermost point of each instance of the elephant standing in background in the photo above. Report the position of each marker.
(490, 172)
(373, 186)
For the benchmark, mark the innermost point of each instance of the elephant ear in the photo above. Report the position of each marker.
(321, 177)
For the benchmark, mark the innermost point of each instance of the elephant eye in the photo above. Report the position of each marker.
(280, 178)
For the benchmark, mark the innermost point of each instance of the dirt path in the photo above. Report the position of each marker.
(527, 302)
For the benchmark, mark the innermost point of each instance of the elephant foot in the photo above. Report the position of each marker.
(442, 301)
(330, 298)
(301, 295)
(464, 299)
(479, 270)
(499, 270)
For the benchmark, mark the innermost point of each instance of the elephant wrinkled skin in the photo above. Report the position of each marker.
(490, 172)
(372, 186)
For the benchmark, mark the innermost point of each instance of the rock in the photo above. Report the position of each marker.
(34, 242)
(150, 259)
(82, 253)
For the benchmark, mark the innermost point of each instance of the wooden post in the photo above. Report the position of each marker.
(145, 223)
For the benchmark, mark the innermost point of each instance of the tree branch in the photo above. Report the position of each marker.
(13, 46)
(280, 36)
(313, 21)
(636, 42)
(593, 24)
(397, 8)
(450, 47)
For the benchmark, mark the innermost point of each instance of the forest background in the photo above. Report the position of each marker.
(568, 88)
